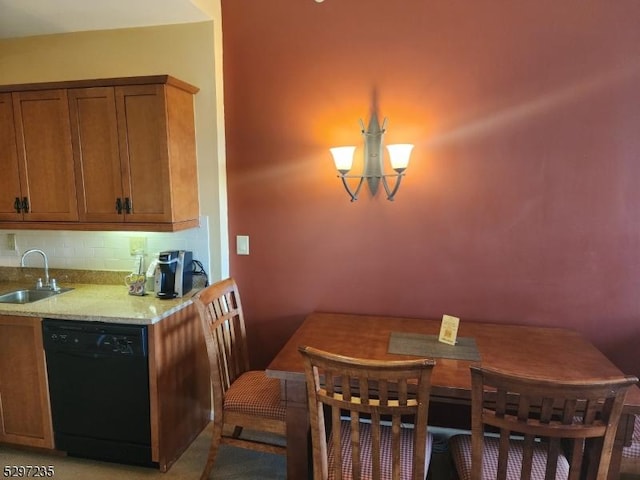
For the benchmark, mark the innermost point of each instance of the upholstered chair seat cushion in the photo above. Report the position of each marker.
(255, 393)
(460, 446)
(633, 450)
(406, 451)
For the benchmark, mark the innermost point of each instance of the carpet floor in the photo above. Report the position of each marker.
(231, 464)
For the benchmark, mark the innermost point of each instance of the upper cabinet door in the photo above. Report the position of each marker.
(94, 135)
(10, 192)
(142, 133)
(44, 150)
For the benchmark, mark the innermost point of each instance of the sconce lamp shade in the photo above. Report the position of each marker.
(399, 154)
(343, 158)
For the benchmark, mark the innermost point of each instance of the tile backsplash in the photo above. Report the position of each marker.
(109, 251)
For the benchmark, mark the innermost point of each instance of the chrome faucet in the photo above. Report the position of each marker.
(46, 266)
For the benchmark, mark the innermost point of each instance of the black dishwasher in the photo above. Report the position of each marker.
(99, 388)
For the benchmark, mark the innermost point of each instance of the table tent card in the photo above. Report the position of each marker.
(449, 329)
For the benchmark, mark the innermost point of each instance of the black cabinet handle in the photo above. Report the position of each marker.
(25, 205)
(17, 206)
(123, 205)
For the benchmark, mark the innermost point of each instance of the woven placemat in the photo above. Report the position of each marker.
(429, 346)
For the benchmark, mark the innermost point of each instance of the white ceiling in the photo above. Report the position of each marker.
(23, 18)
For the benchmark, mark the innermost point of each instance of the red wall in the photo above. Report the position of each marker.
(521, 202)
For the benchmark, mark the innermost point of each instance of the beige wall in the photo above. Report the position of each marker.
(186, 51)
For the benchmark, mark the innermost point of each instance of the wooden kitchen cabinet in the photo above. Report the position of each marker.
(135, 153)
(25, 413)
(95, 149)
(43, 138)
(180, 386)
(35, 154)
(10, 191)
(125, 148)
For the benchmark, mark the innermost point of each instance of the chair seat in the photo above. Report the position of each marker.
(460, 446)
(633, 450)
(255, 393)
(406, 449)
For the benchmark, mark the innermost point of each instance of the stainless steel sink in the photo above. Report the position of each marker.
(30, 295)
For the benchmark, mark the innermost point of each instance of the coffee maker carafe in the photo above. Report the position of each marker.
(174, 274)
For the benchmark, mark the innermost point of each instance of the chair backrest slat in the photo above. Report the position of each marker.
(504, 453)
(527, 457)
(335, 427)
(355, 444)
(577, 456)
(371, 394)
(544, 412)
(554, 452)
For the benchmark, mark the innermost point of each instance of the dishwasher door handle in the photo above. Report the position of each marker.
(87, 354)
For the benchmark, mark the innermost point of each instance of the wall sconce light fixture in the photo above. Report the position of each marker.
(373, 168)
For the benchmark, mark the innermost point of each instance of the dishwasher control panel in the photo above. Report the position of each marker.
(95, 337)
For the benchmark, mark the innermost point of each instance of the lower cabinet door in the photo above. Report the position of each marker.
(25, 413)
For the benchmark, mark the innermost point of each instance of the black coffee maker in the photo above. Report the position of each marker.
(174, 274)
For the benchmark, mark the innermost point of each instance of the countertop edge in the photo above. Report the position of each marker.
(97, 303)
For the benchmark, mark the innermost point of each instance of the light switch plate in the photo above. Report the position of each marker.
(242, 244)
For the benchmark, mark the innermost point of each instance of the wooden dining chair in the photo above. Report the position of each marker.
(631, 454)
(533, 417)
(242, 398)
(377, 416)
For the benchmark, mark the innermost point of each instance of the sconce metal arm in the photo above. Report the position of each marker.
(352, 194)
(391, 193)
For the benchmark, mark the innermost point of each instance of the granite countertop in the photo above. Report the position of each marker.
(100, 303)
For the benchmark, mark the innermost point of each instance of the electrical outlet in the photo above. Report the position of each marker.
(137, 245)
(11, 242)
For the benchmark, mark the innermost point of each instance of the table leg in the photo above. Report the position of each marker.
(298, 458)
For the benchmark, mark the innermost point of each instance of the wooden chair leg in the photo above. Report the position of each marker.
(213, 450)
(237, 431)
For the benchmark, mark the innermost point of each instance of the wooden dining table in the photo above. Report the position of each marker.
(544, 352)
